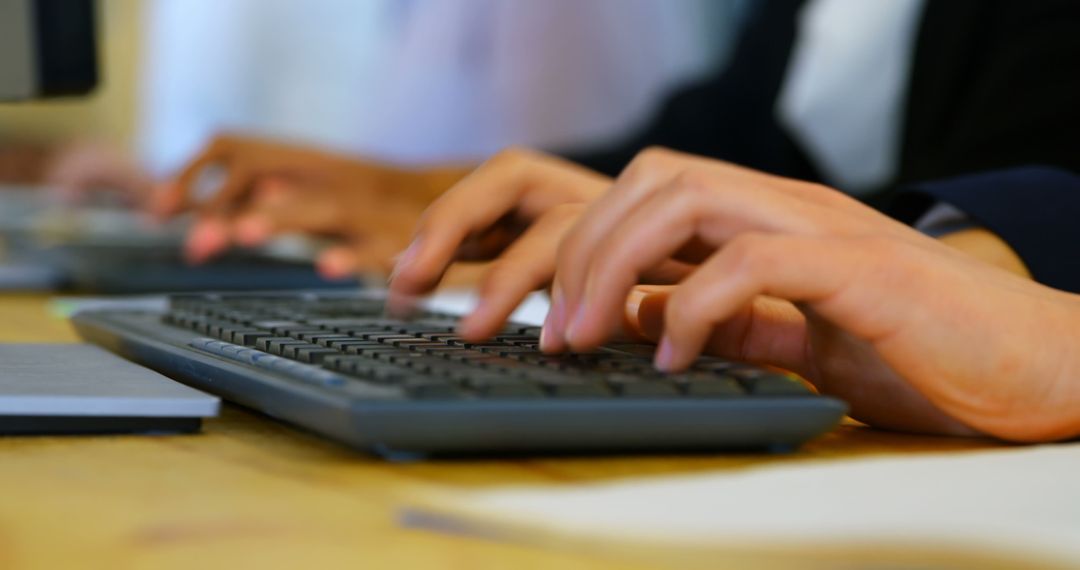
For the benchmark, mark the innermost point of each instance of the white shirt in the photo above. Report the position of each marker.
(844, 92)
(417, 80)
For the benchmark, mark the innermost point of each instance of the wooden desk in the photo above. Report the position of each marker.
(252, 492)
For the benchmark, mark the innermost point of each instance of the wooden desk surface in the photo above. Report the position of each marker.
(251, 491)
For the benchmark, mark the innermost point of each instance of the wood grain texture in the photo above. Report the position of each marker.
(253, 492)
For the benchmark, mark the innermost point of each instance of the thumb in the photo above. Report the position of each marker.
(643, 313)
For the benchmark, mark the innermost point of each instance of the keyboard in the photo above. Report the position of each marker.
(334, 364)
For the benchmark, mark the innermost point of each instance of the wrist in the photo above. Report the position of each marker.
(986, 246)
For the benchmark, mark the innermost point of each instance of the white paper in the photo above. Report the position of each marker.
(1024, 501)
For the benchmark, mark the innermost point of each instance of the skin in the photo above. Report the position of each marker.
(269, 188)
(768, 270)
(83, 167)
(915, 334)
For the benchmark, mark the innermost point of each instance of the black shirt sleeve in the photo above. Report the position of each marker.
(1035, 209)
(729, 115)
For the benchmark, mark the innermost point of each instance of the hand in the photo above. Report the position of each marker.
(915, 335)
(270, 189)
(81, 168)
(515, 208)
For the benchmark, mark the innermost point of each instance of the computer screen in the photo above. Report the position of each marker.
(47, 48)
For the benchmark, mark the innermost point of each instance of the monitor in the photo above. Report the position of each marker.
(47, 48)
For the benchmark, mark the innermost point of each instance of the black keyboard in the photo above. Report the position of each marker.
(333, 363)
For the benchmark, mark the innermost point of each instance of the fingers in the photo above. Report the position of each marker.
(513, 183)
(766, 331)
(370, 255)
(280, 206)
(83, 167)
(225, 153)
(182, 188)
(166, 200)
(525, 266)
(655, 178)
(649, 170)
(800, 269)
(337, 262)
(212, 233)
(661, 225)
(207, 238)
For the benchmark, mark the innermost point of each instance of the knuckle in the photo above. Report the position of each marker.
(511, 156)
(750, 252)
(656, 153)
(693, 186)
(647, 161)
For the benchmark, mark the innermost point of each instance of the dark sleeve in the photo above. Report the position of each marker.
(1035, 209)
(728, 116)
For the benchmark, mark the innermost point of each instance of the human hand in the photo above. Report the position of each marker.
(81, 168)
(514, 209)
(915, 335)
(270, 188)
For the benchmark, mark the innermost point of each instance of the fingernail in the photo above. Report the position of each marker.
(664, 355)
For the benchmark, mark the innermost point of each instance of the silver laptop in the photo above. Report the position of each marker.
(80, 388)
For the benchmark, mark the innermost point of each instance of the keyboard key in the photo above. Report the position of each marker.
(291, 350)
(325, 340)
(292, 369)
(248, 337)
(275, 345)
(632, 386)
(315, 354)
(343, 363)
(576, 388)
(276, 327)
(362, 347)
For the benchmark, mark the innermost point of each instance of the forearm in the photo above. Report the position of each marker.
(986, 246)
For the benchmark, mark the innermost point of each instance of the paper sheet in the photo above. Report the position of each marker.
(1023, 502)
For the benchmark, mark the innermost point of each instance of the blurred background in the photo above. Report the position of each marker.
(410, 81)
